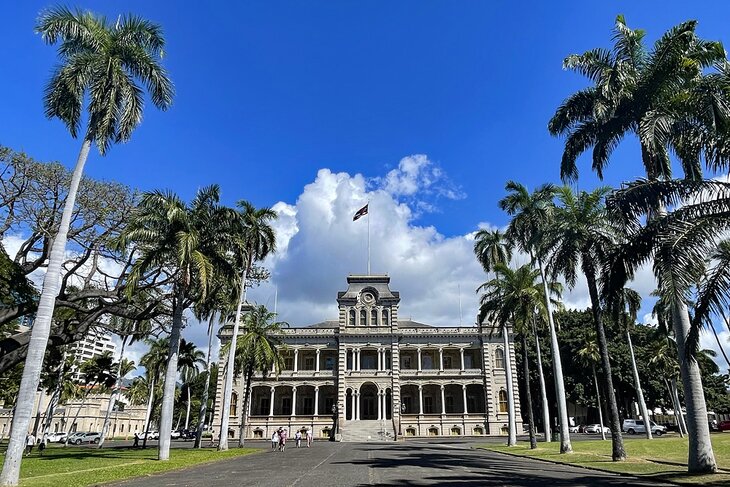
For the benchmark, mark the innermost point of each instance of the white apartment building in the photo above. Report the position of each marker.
(95, 343)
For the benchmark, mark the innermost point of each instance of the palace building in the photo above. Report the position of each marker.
(370, 375)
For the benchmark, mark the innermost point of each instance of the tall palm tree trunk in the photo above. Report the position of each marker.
(206, 386)
(679, 414)
(598, 400)
(228, 385)
(148, 415)
(56, 395)
(113, 398)
(78, 411)
(565, 446)
(37, 422)
(40, 332)
(528, 393)
(187, 412)
(244, 411)
(168, 395)
(701, 455)
(618, 452)
(543, 391)
(637, 386)
(511, 426)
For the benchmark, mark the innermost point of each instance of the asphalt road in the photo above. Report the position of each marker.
(411, 463)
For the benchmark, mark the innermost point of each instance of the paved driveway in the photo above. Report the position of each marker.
(357, 464)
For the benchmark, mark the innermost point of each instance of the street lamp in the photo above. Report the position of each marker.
(400, 419)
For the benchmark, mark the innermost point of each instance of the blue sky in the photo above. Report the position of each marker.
(270, 93)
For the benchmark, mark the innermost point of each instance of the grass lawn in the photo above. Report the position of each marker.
(79, 467)
(662, 458)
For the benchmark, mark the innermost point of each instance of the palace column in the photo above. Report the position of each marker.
(443, 401)
(357, 355)
(461, 354)
(271, 402)
(316, 367)
(296, 359)
(463, 389)
(441, 359)
(352, 405)
(316, 401)
(419, 359)
(357, 405)
(420, 399)
(380, 405)
(293, 401)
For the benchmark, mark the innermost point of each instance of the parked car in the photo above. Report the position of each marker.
(152, 435)
(633, 426)
(57, 437)
(74, 436)
(184, 434)
(87, 438)
(573, 429)
(175, 434)
(596, 428)
(724, 426)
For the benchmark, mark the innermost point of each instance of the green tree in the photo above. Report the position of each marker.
(190, 242)
(591, 355)
(190, 360)
(667, 99)
(256, 240)
(101, 63)
(258, 351)
(531, 217)
(580, 238)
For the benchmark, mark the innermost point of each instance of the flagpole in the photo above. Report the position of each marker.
(368, 205)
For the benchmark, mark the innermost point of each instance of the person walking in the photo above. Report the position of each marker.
(275, 440)
(309, 437)
(136, 440)
(29, 443)
(43, 444)
(282, 439)
(298, 438)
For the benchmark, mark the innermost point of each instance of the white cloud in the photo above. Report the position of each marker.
(708, 342)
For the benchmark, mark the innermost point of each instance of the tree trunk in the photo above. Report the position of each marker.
(511, 426)
(528, 393)
(598, 401)
(37, 422)
(78, 411)
(56, 395)
(637, 386)
(40, 332)
(113, 398)
(244, 411)
(565, 446)
(679, 415)
(543, 392)
(228, 384)
(618, 452)
(187, 412)
(206, 386)
(148, 416)
(701, 455)
(168, 395)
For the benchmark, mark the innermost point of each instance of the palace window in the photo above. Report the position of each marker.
(234, 404)
(363, 318)
(385, 317)
(286, 406)
(499, 359)
(308, 363)
(502, 401)
(428, 405)
(352, 317)
(289, 362)
(447, 362)
(406, 362)
(374, 317)
(329, 363)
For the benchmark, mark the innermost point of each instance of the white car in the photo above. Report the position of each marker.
(573, 429)
(633, 426)
(595, 429)
(175, 435)
(57, 437)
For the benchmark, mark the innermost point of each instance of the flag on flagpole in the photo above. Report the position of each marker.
(361, 212)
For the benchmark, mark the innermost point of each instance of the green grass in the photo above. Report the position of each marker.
(662, 458)
(80, 467)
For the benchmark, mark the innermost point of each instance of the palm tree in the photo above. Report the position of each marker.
(98, 371)
(259, 351)
(257, 240)
(103, 63)
(580, 237)
(664, 360)
(494, 251)
(154, 362)
(513, 296)
(190, 242)
(190, 359)
(591, 355)
(531, 216)
(626, 306)
(63, 385)
(129, 331)
(668, 100)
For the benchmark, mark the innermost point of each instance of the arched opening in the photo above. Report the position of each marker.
(409, 398)
(478, 431)
(374, 317)
(388, 404)
(260, 401)
(368, 401)
(363, 318)
(433, 431)
(410, 432)
(386, 321)
(431, 399)
(283, 401)
(348, 405)
(454, 397)
(234, 404)
(305, 401)
(327, 399)
(455, 431)
(499, 359)
(351, 321)
(475, 399)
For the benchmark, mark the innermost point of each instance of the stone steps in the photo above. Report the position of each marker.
(363, 431)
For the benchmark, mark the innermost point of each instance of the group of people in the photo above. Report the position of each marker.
(279, 437)
(30, 442)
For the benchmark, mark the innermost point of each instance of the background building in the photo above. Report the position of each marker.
(95, 343)
(370, 375)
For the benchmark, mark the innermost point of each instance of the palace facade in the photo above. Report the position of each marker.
(370, 375)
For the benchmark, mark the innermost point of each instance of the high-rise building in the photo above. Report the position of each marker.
(94, 344)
